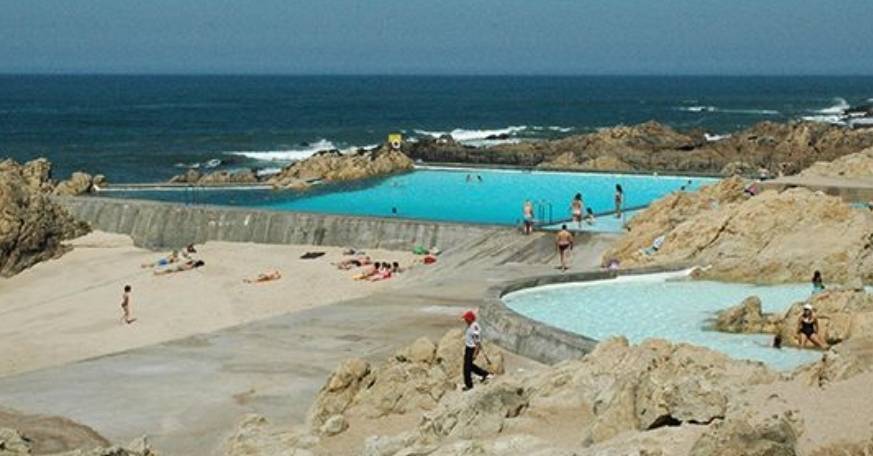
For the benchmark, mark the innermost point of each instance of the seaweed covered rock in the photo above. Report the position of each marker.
(32, 226)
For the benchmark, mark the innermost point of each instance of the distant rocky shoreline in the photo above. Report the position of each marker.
(778, 148)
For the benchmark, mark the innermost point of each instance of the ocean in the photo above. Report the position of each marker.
(147, 128)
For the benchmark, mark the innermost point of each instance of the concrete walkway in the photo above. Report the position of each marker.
(851, 190)
(187, 395)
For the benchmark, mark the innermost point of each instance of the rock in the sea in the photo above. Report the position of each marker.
(763, 239)
(749, 436)
(32, 226)
(747, 317)
(334, 165)
(78, 184)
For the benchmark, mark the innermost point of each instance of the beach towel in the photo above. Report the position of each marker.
(311, 255)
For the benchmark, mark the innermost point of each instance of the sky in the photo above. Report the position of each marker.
(781, 37)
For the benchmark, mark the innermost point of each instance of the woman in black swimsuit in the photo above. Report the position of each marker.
(807, 329)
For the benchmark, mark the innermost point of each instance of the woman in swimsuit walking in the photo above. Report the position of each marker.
(576, 208)
(807, 329)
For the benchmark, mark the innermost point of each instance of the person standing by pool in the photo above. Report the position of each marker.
(807, 328)
(619, 200)
(472, 346)
(564, 243)
(817, 282)
(576, 207)
(528, 214)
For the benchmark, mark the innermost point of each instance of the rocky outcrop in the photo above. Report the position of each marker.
(667, 213)
(857, 165)
(14, 443)
(749, 436)
(255, 436)
(414, 380)
(778, 147)
(78, 184)
(842, 314)
(841, 362)
(32, 226)
(746, 317)
(335, 166)
(764, 239)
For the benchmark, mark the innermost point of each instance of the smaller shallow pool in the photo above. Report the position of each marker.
(662, 306)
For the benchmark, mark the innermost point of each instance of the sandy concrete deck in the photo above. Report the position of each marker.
(188, 394)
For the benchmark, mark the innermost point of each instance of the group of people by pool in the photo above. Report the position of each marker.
(578, 212)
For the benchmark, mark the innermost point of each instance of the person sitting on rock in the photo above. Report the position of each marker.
(808, 330)
(817, 283)
(472, 347)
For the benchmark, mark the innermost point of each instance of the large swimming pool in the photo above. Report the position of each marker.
(661, 306)
(452, 195)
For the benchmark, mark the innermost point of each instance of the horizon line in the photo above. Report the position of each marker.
(447, 75)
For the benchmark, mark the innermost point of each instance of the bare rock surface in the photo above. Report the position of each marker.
(32, 226)
(336, 166)
(857, 165)
(747, 317)
(770, 238)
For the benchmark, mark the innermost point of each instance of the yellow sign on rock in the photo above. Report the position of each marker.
(395, 140)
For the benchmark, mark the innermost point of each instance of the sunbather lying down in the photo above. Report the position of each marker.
(265, 277)
(186, 266)
(356, 262)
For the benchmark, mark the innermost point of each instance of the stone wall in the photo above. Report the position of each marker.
(158, 225)
(536, 340)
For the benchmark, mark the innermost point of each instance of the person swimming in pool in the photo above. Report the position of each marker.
(564, 243)
(817, 283)
(576, 209)
(808, 330)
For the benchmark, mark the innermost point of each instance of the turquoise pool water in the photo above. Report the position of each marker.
(652, 306)
(448, 195)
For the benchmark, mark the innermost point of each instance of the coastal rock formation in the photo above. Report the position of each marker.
(415, 379)
(78, 184)
(763, 239)
(779, 147)
(857, 165)
(746, 318)
(333, 165)
(255, 436)
(748, 436)
(13, 443)
(32, 226)
(842, 314)
(841, 362)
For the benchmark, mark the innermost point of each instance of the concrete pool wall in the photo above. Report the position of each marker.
(536, 340)
(157, 225)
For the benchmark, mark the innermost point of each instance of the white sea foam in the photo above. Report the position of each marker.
(840, 105)
(831, 119)
(268, 171)
(463, 136)
(714, 138)
(698, 108)
(208, 164)
(286, 155)
(560, 129)
(757, 112)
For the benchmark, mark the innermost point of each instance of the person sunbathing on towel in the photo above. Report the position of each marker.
(265, 277)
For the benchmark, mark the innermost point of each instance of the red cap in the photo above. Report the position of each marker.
(469, 316)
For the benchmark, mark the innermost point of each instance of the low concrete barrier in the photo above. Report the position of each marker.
(536, 340)
(158, 225)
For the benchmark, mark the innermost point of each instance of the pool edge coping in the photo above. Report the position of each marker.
(534, 339)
